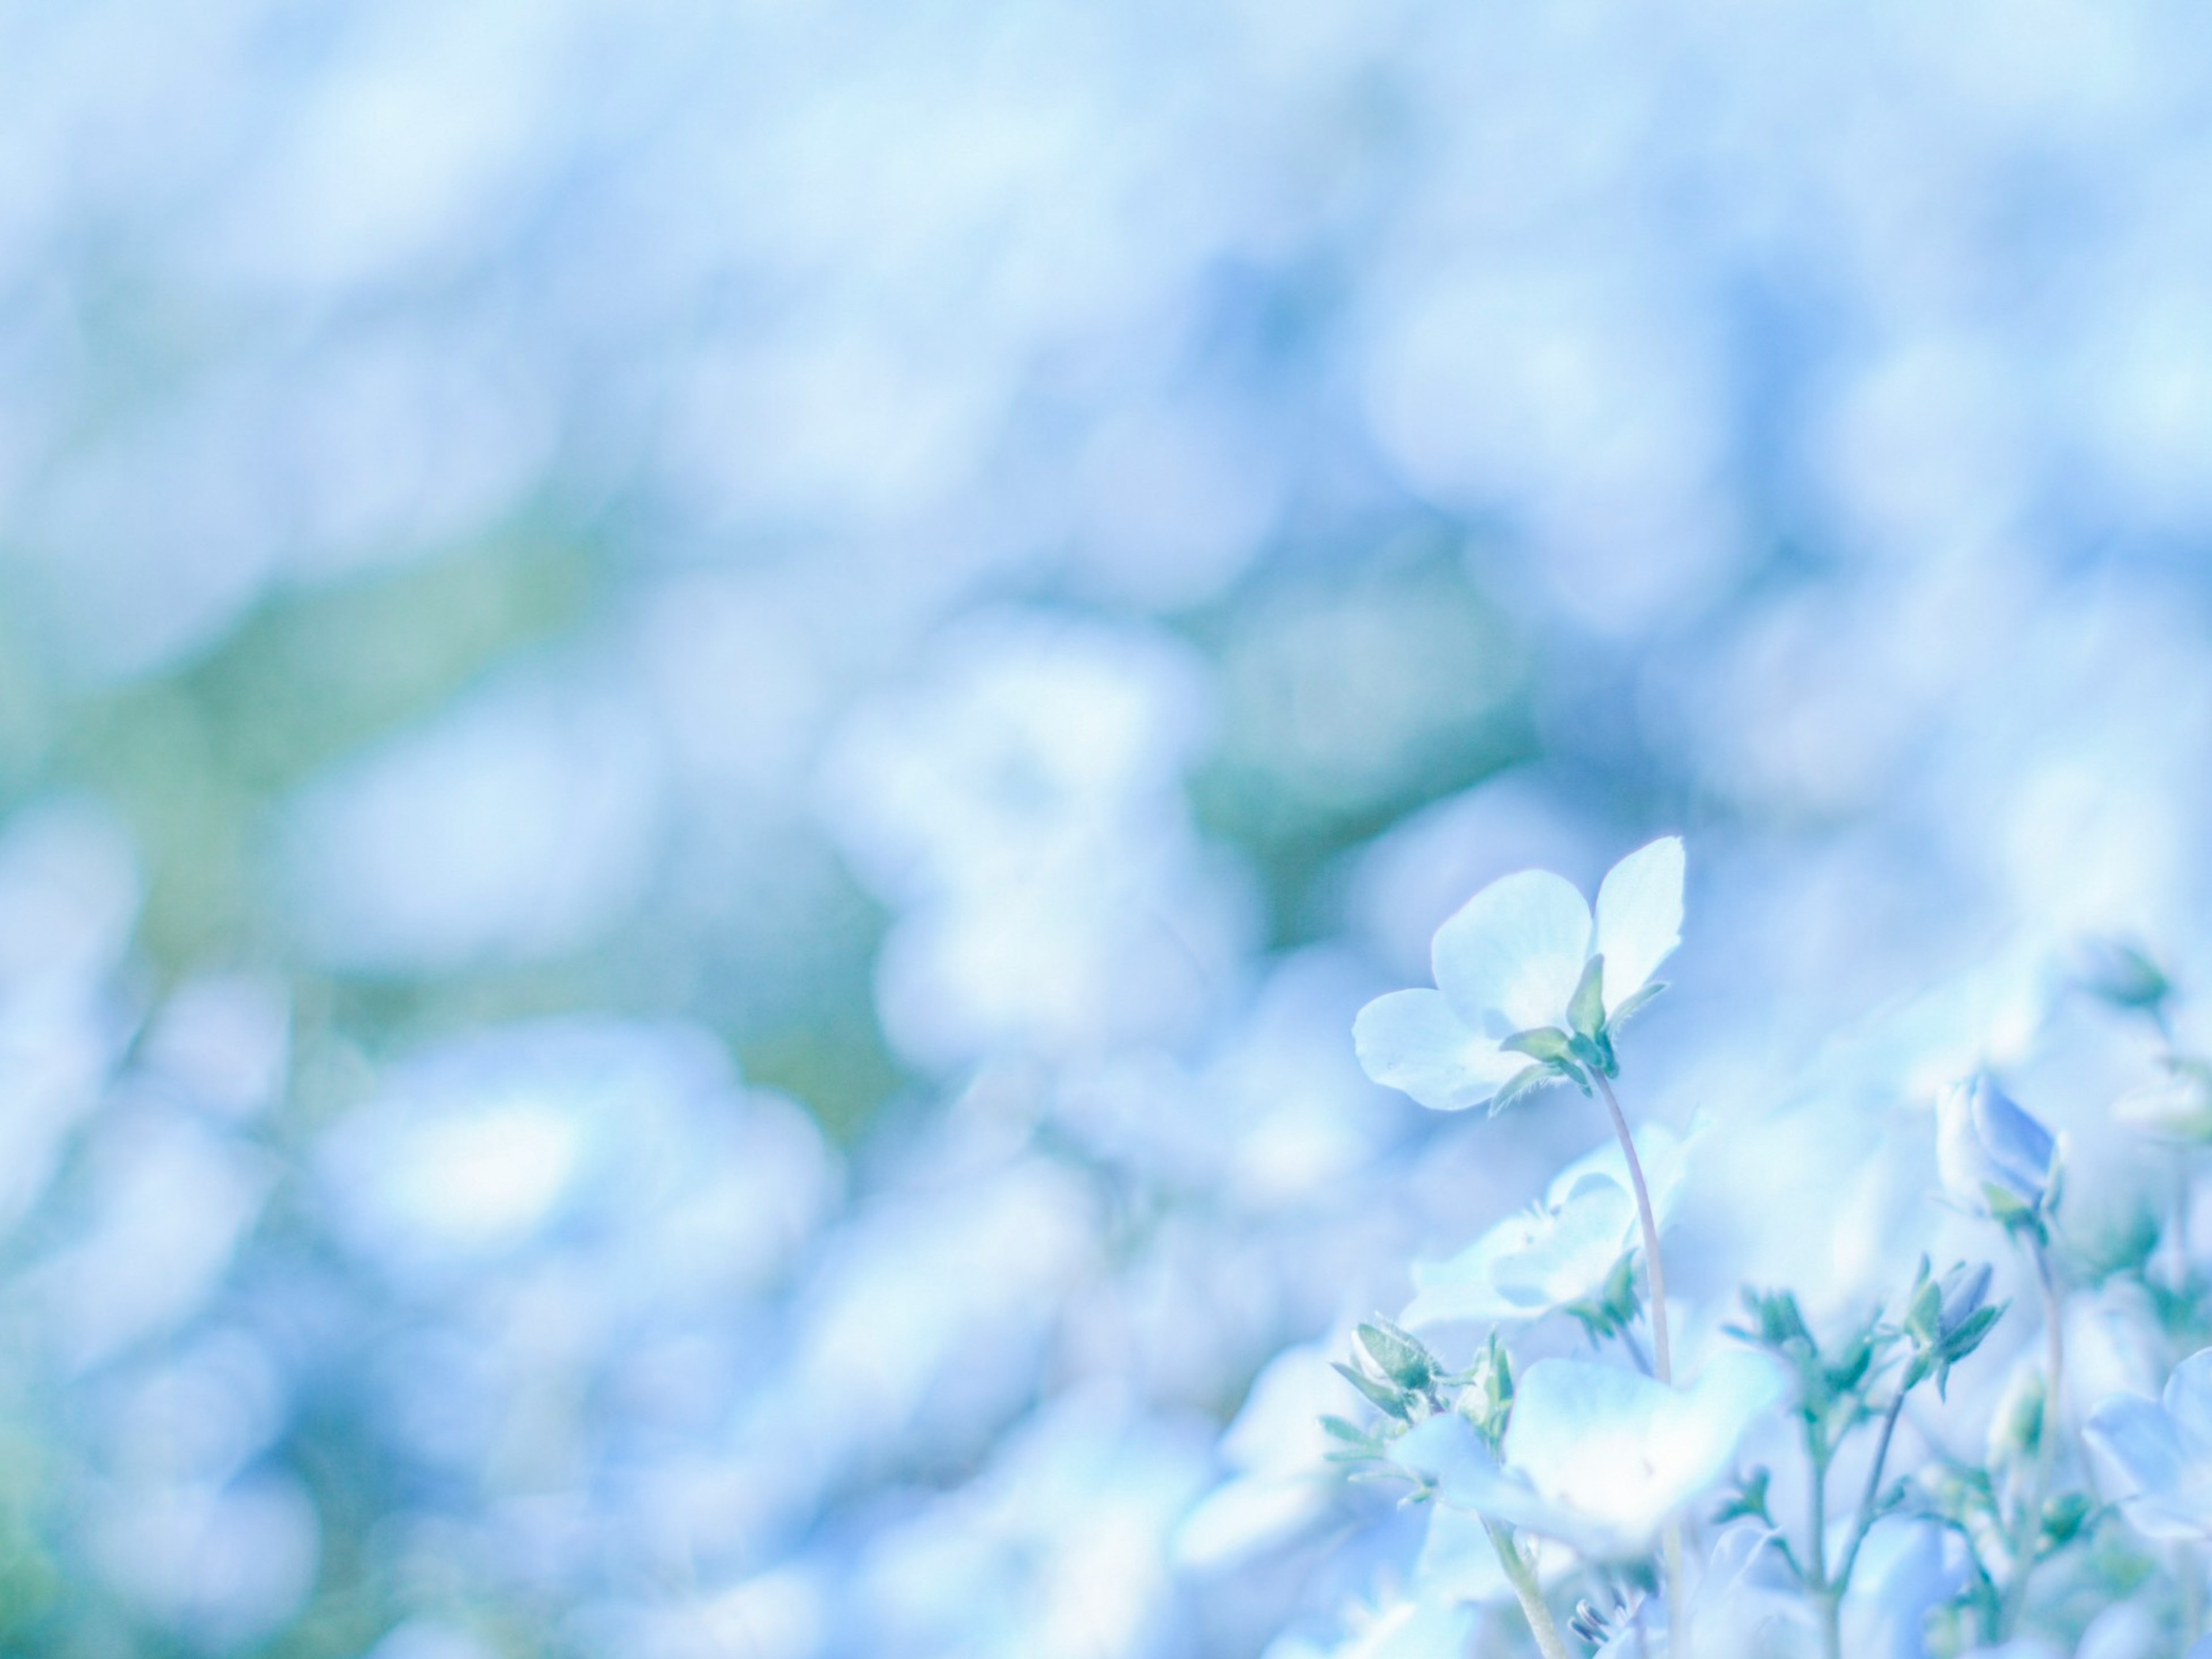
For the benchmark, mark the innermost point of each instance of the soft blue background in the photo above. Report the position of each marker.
(709, 714)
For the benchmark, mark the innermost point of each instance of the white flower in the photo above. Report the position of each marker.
(2176, 1106)
(1995, 1158)
(1525, 955)
(1597, 1456)
(2163, 1451)
(1557, 1252)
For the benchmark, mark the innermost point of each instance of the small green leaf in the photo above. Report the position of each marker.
(1586, 1008)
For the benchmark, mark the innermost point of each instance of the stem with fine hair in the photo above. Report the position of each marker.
(1522, 1577)
(1864, 1523)
(2046, 1450)
(1662, 1350)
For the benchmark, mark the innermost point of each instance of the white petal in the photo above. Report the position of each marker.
(1582, 1434)
(1663, 1154)
(1410, 1040)
(1511, 956)
(1570, 1262)
(1447, 1451)
(2145, 1445)
(1625, 1452)
(1702, 1432)
(2188, 1399)
(1458, 1561)
(1639, 917)
(1463, 1290)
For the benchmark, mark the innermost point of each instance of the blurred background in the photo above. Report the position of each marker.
(709, 714)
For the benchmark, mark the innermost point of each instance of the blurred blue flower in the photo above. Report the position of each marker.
(1523, 955)
(2163, 1451)
(1995, 1158)
(1557, 1252)
(1597, 1456)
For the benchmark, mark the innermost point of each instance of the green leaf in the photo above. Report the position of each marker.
(1586, 1008)
(1542, 1042)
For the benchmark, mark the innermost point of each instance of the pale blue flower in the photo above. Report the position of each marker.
(1557, 1252)
(1597, 1456)
(2163, 1451)
(1995, 1158)
(1512, 960)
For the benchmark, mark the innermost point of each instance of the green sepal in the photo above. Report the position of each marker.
(1586, 1008)
(1615, 1308)
(1748, 1501)
(1398, 1354)
(1543, 1042)
(2063, 1518)
(1381, 1395)
(1527, 1080)
(1636, 1003)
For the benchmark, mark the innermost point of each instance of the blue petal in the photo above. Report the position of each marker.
(2021, 1145)
(1639, 917)
(1410, 1040)
(1511, 958)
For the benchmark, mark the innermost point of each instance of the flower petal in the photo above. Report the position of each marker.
(1511, 956)
(2144, 1444)
(1410, 1040)
(1623, 1452)
(1663, 1154)
(2188, 1402)
(2021, 1146)
(1447, 1452)
(1639, 917)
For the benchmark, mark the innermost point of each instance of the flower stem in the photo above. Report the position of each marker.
(2046, 1450)
(1662, 1352)
(1864, 1523)
(1522, 1577)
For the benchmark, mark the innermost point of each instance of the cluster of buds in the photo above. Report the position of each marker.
(1945, 1320)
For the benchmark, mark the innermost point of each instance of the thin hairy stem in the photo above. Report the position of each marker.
(1662, 1352)
(1826, 1599)
(1522, 1577)
(1864, 1523)
(2046, 1450)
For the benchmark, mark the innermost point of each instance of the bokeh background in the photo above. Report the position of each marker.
(709, 714)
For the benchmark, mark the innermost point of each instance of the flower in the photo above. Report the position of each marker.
(1595, 1457)
(1557, 1253)
(2176, 1106)
(2163, 1450)
(1995, 1158)
(1529, 985)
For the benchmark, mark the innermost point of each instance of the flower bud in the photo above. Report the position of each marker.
(1965, 1288)
(1995, 1158)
